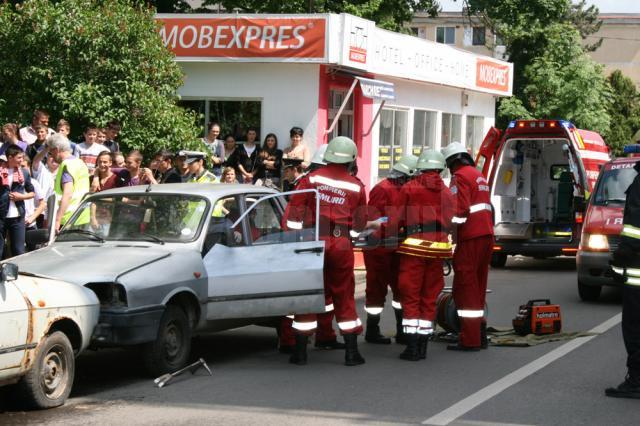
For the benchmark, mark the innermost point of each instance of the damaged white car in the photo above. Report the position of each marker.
(44, 325)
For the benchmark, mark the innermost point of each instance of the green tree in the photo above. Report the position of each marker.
(624, 111)
(564, 82)
(93, 61)
(553, 75)
(389, 14)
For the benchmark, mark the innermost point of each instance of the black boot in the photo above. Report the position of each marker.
(400, 336)
(351, 355)
(373, 335)
(411, 352)
(626, 389)
(299, 355)
(329, 345)
(459, 347)
(423, 340)
(484, 341)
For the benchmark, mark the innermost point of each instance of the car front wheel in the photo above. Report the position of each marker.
(170, 351)
(49, 381)
(589, 293)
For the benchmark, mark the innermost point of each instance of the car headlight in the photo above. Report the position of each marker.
(110, 295)
(595, 242)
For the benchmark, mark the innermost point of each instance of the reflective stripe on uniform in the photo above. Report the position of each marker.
(410, 322)
(479, 207)
(627, 271)
(425, 331)
(335, 183)
(633, 281)
(466, 313)
(410, 330)
(348, 325)
(305, 326)
(373, 310)
(328, 308)
(294, 225)
(457, 219)
(424, 248)
(630, 231)
(425, 324)
(291, 316)
(396, 305)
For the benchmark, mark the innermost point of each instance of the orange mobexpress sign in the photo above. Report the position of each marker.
(492, 75)
(245, 37)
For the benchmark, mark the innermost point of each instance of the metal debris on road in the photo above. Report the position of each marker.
(165, 378)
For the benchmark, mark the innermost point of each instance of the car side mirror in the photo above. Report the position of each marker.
(9, 272)
(37, 237)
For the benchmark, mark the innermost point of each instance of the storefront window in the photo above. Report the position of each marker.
(475, 128)
(234, 117)
(424, 130)
(451, 128)
(393, 135)
(344, 126)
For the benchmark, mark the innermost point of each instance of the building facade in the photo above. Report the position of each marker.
(620, 33)
(335, 75)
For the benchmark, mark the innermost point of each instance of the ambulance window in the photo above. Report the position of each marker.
(557, 170)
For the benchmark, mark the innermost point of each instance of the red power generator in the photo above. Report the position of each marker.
(539, 317)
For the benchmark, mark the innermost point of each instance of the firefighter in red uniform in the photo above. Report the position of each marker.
(426, 217)
(342, 209)
(382, 262)
(474, 246)
(325, 335)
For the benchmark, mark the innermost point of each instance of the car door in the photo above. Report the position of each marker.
(487, 152)
(14, 320)
(258, 269)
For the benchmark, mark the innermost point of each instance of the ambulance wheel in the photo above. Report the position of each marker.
(170, 351)
(589, 293)
(498, 260)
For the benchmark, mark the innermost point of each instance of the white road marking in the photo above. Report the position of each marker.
(479, 423)
(462, 407)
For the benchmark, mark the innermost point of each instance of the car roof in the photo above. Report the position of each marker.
(212, 191)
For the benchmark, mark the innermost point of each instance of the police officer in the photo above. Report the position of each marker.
(474, 230)
(342, 209)
(429, 208)
(195, 163)
(382, 262)
(626, 267)
(292, 172)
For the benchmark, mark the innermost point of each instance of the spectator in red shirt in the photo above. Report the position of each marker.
(104, 178)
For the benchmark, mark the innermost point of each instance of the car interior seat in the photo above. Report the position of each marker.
(564, 198)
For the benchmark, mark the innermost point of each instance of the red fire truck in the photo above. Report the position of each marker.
(603, 224)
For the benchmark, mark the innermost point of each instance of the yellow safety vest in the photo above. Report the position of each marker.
(206, 177)
(80, 174)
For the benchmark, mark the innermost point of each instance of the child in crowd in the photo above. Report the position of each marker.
(90, 149)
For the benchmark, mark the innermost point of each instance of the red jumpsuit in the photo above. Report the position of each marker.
(474, 247)
(382, 263)
(429, 208)
(325, 332)
(342, 209)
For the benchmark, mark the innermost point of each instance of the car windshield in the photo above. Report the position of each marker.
(613, 184)
(153, 218)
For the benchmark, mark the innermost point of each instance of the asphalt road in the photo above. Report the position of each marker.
(559, 383)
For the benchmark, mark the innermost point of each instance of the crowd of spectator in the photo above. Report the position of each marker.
(30, 157)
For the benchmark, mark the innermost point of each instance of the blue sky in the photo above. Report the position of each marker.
(605, 6)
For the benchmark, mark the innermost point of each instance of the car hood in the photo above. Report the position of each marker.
(85, 263)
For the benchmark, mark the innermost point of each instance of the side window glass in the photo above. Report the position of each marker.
(265, 222)
(220, 230)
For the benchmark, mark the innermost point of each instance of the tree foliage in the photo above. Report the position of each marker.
(554, 76)
(389, 14)
(92, 61)
(624, 111)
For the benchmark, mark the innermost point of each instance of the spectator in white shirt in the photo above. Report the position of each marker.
(28, 134)
(44, 173)
(90, 149)
(35, 206)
